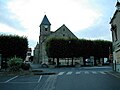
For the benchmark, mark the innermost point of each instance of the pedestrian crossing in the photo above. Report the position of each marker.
(61, 73)
(94, 72)
(81, 72)
(77, 72)
(68, 73)
(86, 72)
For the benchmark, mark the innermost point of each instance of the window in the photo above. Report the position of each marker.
(46, 29)
(63, 29)
(114, 32)
(63, 34)
(116, 38)
(28, 54)
(113, 37)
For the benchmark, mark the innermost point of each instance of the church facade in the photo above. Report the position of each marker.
(40, 55)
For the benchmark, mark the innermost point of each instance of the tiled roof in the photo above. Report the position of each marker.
(45, 21)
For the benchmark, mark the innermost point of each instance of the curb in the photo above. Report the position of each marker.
(115, 74)
(44, 73)
(41, 72)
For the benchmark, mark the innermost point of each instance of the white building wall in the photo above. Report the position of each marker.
(116, 43)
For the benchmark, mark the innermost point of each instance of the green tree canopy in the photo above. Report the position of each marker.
(13, 45)
(69, 48)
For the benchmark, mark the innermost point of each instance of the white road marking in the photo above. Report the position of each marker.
(102, 72)
(86, 72)
(39, 78)
(78, 72)
(68, 73)
(49, 84)
(10, 79)
(113, 75)
(94, 72)
(61, 73)
(21, 82)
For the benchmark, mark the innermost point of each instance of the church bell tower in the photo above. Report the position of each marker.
(44, 33)
(45, 27)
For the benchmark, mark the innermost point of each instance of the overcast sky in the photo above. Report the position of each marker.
(87, 19)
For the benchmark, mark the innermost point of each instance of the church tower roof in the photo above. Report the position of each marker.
(45, 21)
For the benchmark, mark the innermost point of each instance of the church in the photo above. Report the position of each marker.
(40, 55)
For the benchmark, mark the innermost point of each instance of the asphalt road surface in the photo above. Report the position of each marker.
(88, 78)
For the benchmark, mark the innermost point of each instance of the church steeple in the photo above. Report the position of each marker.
(45, 27)
(45, 21)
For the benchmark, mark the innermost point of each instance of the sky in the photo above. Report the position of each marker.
(88, 19)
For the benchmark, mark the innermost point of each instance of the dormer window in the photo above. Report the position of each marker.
(118, 5)
(113, 27)
(118, 8)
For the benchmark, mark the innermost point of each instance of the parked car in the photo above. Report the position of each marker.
(44, 65)
(89, 62)
(28, 62)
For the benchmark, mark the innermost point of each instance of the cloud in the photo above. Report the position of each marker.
(6, 29)
(75, 15)
(85, 18)
(30, 13)
(101, 30)
(7, 17)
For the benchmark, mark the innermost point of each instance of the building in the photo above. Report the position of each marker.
(115, 29)
(40, 55)
(28, 54)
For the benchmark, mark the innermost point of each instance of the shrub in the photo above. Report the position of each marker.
(25, 66)
(15, 64)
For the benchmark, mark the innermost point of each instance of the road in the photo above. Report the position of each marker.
(88, 78)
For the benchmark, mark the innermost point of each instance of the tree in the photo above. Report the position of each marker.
(13, 45)
(70, 48)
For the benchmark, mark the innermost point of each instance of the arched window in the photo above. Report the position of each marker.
(46, 29)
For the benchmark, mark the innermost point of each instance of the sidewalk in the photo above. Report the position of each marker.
(97, 67)
(38, 66)
(35, 66)
(38, 70)
(115, 74)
